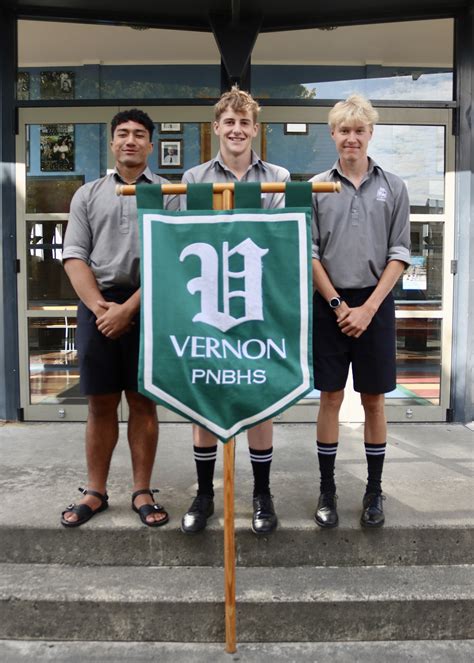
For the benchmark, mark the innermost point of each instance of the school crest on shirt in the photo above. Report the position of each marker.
(382, 194)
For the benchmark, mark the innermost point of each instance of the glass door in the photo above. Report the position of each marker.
(58, 150)
(417, 145)
(56, 154)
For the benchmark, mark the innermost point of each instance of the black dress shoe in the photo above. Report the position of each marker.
(264, 518)
(195, 519)
(372, 510)
(326, 511)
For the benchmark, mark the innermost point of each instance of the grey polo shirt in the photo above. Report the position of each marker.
(215, 170)
(358, 231)
(103, 230)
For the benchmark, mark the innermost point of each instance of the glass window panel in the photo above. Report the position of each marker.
(59, 159)
(53, 365)
(413, 152)
(303, 155)
(46, 195)
(419, 85)
(47, 281)
(157, 64)
(418, 362)
(159, 82)
(416, 154)
(334, 62)
(120, 82)
(422, 283)
(311, 82)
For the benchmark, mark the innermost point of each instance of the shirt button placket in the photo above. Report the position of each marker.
(355, 210)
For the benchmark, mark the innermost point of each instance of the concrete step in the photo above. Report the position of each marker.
(427, 482)
(125, 603)
(297, 543)
(412, 651)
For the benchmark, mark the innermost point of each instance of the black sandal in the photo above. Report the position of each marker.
(83, 511)
(147, 509)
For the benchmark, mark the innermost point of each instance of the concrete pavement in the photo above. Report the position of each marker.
(427, 476)
(306, 583)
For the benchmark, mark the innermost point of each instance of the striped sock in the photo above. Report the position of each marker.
(375, 454)
(327, 460)
(205, 458)
(261, 462)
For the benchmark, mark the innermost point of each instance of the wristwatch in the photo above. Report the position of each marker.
(335, 302)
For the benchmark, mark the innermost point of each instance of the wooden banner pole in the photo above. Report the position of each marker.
(229, 546)
(223, 200)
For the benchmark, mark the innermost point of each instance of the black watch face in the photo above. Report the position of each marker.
(334, 302)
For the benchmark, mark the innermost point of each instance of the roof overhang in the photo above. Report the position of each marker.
(275, 15)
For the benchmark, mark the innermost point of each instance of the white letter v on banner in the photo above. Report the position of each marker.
(207, 284)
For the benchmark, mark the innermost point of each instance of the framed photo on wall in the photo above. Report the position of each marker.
(57, 147)
(171, 128)
(170, 153)
(296, 129)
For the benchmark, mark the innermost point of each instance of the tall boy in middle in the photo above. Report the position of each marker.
(235, 124)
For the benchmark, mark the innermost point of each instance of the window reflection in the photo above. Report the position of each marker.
(46, 195)
(367, 59)
(120, 81)
(47, 280)
(422, 282)
(416, 154)
(418, 362)
(303, 155)
(53, 365)
(417, 84)
(413, 152)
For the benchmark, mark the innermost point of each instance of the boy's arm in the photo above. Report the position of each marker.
(113, 319)
(354, 321)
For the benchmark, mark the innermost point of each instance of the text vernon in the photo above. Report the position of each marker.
(208, 347)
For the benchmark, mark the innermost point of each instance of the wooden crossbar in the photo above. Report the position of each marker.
(220, 187)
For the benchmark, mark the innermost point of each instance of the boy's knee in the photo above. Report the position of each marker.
(332, 399)
(373, 403)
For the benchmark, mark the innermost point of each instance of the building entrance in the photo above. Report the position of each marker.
(59, 149)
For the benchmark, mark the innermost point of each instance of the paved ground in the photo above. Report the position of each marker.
(448, 651)
(427, 478)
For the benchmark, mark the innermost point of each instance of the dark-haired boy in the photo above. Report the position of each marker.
(101, 259)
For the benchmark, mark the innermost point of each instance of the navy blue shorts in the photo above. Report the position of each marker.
(372, 355)
(107, 366)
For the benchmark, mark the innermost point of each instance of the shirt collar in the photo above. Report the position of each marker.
(336, 170)
(145, 175)
(255, 161)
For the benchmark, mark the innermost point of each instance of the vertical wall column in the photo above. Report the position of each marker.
(9, 383)
(235, 39)
(463, 323)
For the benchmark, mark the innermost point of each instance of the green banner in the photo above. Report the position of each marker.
(226, 313)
